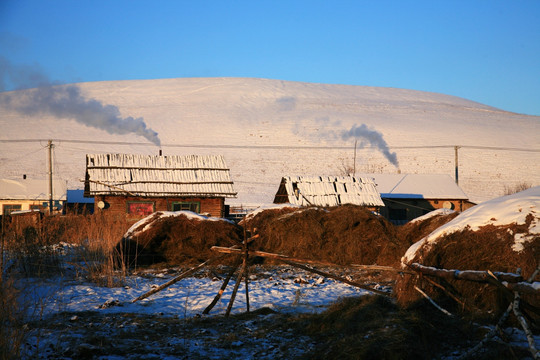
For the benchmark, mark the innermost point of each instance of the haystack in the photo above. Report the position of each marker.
(421, 227)
(176, 238)
(343, 235)
(500, 235)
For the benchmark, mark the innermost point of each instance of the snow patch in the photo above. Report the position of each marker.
(505, 210)
(146, 223)
(432, 214)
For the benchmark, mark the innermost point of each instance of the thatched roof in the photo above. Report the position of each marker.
(328, 191)
(149, 175)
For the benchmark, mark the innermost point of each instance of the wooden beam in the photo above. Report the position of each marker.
(274, 256)
(178, 278)
(296, 263)
(471, 275)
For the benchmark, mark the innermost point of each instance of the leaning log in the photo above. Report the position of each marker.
(222, 289)
(178, 278)
(298, 263)
(471, 275)
(274, 256)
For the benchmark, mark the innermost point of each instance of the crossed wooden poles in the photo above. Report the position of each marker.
(243, 254)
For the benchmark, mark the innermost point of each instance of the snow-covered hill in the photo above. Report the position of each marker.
(267, 129)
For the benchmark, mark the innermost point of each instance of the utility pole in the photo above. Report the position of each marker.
(50, 146)
(456, 163)
(354, 159)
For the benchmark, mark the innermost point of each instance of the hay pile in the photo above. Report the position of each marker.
(421, 227)
(343, 235)
(175, 238)
(500, 235)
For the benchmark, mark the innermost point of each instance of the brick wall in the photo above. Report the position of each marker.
(138, 207)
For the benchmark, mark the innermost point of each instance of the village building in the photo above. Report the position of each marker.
(328, 191)
(77, 204)
(138, 185)
(408, 196)
(27, 194)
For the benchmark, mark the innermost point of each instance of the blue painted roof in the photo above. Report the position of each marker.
(77, 197)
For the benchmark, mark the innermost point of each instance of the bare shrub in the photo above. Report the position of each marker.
(32, 249)
(12, 329)
(512, 189)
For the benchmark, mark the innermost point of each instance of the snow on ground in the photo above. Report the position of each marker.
(284, 289)
(70, 313)
(504, 210)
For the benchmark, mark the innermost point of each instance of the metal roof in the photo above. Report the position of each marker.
(157, 176)
(31, 189)
(330, 190)
(418, 186)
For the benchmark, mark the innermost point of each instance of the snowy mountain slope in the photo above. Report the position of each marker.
(267, 129)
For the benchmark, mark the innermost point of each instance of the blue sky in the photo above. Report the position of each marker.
(483, 50)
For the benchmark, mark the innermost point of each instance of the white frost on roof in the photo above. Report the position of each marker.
(146, 175)
(501, 211)
(419, 186)
(331, 190)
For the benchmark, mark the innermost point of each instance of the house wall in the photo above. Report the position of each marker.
(401, 211)
(24, 205)
(137, 207)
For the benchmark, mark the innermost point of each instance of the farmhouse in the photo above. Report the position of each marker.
(328, 191)
(408, 196)
(76, 203)
(30, 194)
(138, 185)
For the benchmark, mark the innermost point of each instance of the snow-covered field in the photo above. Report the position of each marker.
(267, 129)
(69, 311)
(75, 310)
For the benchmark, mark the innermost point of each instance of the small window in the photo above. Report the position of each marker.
(296, 191)
(140, 208)
(9, 208)
(186, 206)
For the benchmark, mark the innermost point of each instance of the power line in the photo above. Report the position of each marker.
(269, 147)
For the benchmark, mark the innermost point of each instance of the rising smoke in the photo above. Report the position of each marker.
(65, 102)
(374, 138)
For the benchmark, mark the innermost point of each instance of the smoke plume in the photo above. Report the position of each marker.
(66, 102)
(374, 138)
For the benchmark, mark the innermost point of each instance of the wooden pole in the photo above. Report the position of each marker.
(178, 278)
(246, 269)
(471, 275)
(456, 148)
(235, 290)
(295, 262)
(431, 301)
(222, 289)
(50, 146)
(354, 159)
(335, 277)
(274, 256)
(382, 268)
(246, 281)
